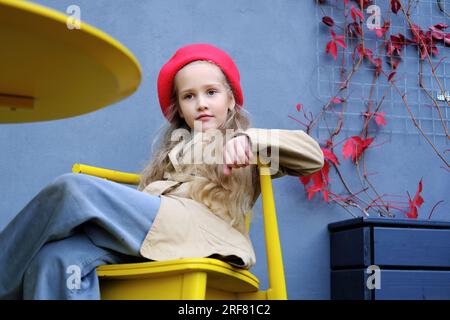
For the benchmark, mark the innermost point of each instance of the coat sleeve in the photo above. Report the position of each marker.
(290, 152)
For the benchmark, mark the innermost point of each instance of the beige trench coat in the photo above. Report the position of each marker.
(185, 228)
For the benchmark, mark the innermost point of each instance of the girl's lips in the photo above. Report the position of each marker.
(204, 118)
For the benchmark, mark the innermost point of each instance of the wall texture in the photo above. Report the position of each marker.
(274, 44)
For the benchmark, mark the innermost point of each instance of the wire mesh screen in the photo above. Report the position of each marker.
(361, 89)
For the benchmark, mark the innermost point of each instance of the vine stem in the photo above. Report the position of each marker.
(436, 104)
(426, 52)
(417, 125)
(342, 88)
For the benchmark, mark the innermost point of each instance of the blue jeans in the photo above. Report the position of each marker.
(77, 222)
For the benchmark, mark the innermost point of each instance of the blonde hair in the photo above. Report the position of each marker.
(231, 196)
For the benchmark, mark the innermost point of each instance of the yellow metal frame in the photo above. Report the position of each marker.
(194, 278)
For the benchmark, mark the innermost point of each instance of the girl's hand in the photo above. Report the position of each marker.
(237, 153)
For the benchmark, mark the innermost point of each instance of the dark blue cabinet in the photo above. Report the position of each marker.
(382, 258)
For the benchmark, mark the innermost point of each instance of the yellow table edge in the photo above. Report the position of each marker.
(56, 15)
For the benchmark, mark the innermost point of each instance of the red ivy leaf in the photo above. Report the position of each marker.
(341, 43)
(325, 195)
(328, 21)
(355, 147)
(298, 106)
(379, 118)
(332, 48)
(447, 39)
(412, 211)
(329, 155)
(395, 6)
(391, 75)
(348, 149)
(334, 36)
(416, 202)
(305, 180)
(441, 26)
(380, 31)
(425, 41)
(319, 182)
(394, 62)
(337, 100)
(354, 29)
(367, 142)
(436, 33)
(354, 12)
(434, 51)
(378, 65)
(311, 190)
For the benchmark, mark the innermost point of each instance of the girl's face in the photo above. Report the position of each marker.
(203, 96)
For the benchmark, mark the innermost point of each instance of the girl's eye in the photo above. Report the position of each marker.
(211, 92)
(188, 96)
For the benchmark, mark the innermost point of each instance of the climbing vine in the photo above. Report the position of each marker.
(384, 61)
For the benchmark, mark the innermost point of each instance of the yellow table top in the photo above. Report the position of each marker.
(48, 71)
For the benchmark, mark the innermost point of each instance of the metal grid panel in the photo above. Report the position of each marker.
(423, 13)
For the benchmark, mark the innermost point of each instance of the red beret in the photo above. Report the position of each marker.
(190, 53)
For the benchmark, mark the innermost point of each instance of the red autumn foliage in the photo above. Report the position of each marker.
(355, 147)
(391, 76)
(378, 66)
(331, 48)
(337, 100)
(330, 156)
(441, 26)
(332, 45)
(365, 3)
(396, 6)
(394, 49)
(381, 31)
(424, 41)
(447, 39)
(364, 52)
(380, 119)
(356, 13)
(320, 178)
(376, 62)
(378, 116)
(395, 46)
(354, 30)
(328, 21)
(415, 203)
(437, 33)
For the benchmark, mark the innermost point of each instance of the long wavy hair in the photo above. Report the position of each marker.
(227, 196)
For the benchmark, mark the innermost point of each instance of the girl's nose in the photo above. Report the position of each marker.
(201, 103)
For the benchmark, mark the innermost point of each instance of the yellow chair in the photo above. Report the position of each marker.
(194, 278)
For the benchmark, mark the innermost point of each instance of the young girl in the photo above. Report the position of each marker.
(182, 207)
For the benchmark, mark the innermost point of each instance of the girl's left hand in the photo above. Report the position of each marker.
(237, 153)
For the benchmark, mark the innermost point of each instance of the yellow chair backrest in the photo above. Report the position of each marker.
(277, 284)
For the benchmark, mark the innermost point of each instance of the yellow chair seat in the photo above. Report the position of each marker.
(190, 278)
